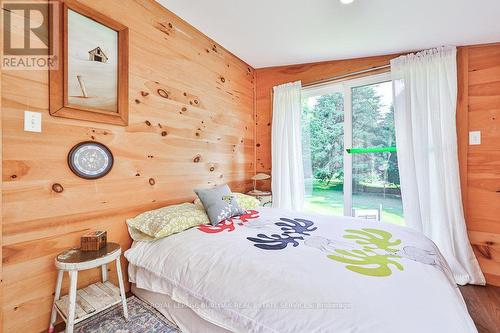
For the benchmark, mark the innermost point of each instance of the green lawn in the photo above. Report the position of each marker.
(328, 199)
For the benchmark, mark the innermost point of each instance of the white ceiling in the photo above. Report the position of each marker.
(278, 32)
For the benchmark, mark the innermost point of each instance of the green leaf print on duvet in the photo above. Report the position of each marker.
(373, 239)
(368, 261)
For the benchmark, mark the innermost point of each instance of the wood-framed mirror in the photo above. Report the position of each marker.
(90, 81)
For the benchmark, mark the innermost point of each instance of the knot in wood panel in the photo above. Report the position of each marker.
(162, 92)
(151, 181)
(144, 93)
(148, 122)
(164, 133)
(166, 28)
(58, 188)
(197, 159)
(484, 251)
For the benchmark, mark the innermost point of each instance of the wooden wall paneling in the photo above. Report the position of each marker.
(1, 191)
(483, 161)
(487, 250)
(191, 124)
(267, 78)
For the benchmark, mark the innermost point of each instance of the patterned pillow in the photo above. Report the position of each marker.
(219, 203)
(168, 220)
(246, 202)
(139, 236)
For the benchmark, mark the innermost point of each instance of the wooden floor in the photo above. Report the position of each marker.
(484, 307)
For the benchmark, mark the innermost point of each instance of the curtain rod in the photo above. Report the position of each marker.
(344, 76)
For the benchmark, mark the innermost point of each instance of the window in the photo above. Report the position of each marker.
(350, 153)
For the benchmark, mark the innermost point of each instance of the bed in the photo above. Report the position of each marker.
(272, 270)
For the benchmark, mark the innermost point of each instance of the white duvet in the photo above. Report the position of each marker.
(277, 271)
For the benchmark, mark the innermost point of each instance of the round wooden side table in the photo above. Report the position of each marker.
(85, 302)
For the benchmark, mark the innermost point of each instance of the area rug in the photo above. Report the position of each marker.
(141, 318)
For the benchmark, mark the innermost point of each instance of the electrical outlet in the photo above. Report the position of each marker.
(475, 138)
(32, 121)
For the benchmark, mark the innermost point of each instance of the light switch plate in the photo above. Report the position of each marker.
(32, 121)
(475, 138)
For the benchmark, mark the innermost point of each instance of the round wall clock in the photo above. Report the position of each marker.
(90, 160)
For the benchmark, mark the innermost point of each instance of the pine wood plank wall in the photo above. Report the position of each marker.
(209, 113)
(478, 109)
(1, 190)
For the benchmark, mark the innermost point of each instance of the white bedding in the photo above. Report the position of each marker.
(279, 271)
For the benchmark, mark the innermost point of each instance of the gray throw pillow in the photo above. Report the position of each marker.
(220, 203)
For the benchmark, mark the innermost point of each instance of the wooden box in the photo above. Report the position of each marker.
(93, 241)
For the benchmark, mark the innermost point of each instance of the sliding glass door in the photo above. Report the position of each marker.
(350, 139)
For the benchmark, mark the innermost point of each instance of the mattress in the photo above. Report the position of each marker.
(273, 270)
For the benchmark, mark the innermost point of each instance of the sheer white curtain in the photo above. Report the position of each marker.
(425, 89)
(286, 145)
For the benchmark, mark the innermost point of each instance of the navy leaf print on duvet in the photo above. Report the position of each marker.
(288, 227)
(296, 226)
(274, 242)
